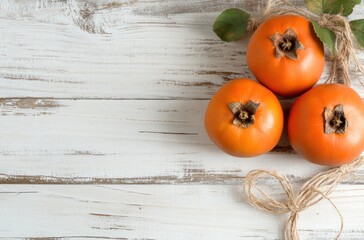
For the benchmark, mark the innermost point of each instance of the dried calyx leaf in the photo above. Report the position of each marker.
(335, 121)
(287, 44)
(244, 113)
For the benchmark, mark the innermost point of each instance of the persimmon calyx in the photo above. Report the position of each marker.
(287, 44)
(335, 121)
(244, 113)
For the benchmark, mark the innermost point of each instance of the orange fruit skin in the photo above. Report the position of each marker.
(258, 138)
(284, 76)
(306, 125)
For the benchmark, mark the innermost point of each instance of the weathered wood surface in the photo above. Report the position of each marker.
(164, 212)
(114, 92)
(129, 141)
(122, 49)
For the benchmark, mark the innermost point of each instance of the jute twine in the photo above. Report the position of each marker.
(321, 185)
(313, 191)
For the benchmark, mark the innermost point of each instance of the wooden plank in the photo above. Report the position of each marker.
(127, 141)
(164, 212)
(121, 49)
(113, 92)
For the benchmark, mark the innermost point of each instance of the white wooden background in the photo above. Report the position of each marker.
(106, 100)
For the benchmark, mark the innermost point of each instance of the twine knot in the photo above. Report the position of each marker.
(313, 191)
(344, 49)
(292, 206)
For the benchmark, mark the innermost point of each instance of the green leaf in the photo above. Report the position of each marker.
(231, 24)
(357, 27)
(343, 7)
(315, 6)
(326, 36)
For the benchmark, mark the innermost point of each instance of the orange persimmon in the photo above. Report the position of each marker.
(326, 125)
(244, 118)
(285, 55)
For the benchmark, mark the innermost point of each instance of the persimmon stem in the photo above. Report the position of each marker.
(335, 121)
(243, 113)
(287, 44)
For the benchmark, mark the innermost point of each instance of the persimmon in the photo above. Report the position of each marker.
(244, 118)
(326, 125)
(285, 55)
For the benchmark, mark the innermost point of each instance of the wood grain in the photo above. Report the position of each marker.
(163, 212)
(127, 141)
(120, 49)
(114, 92)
